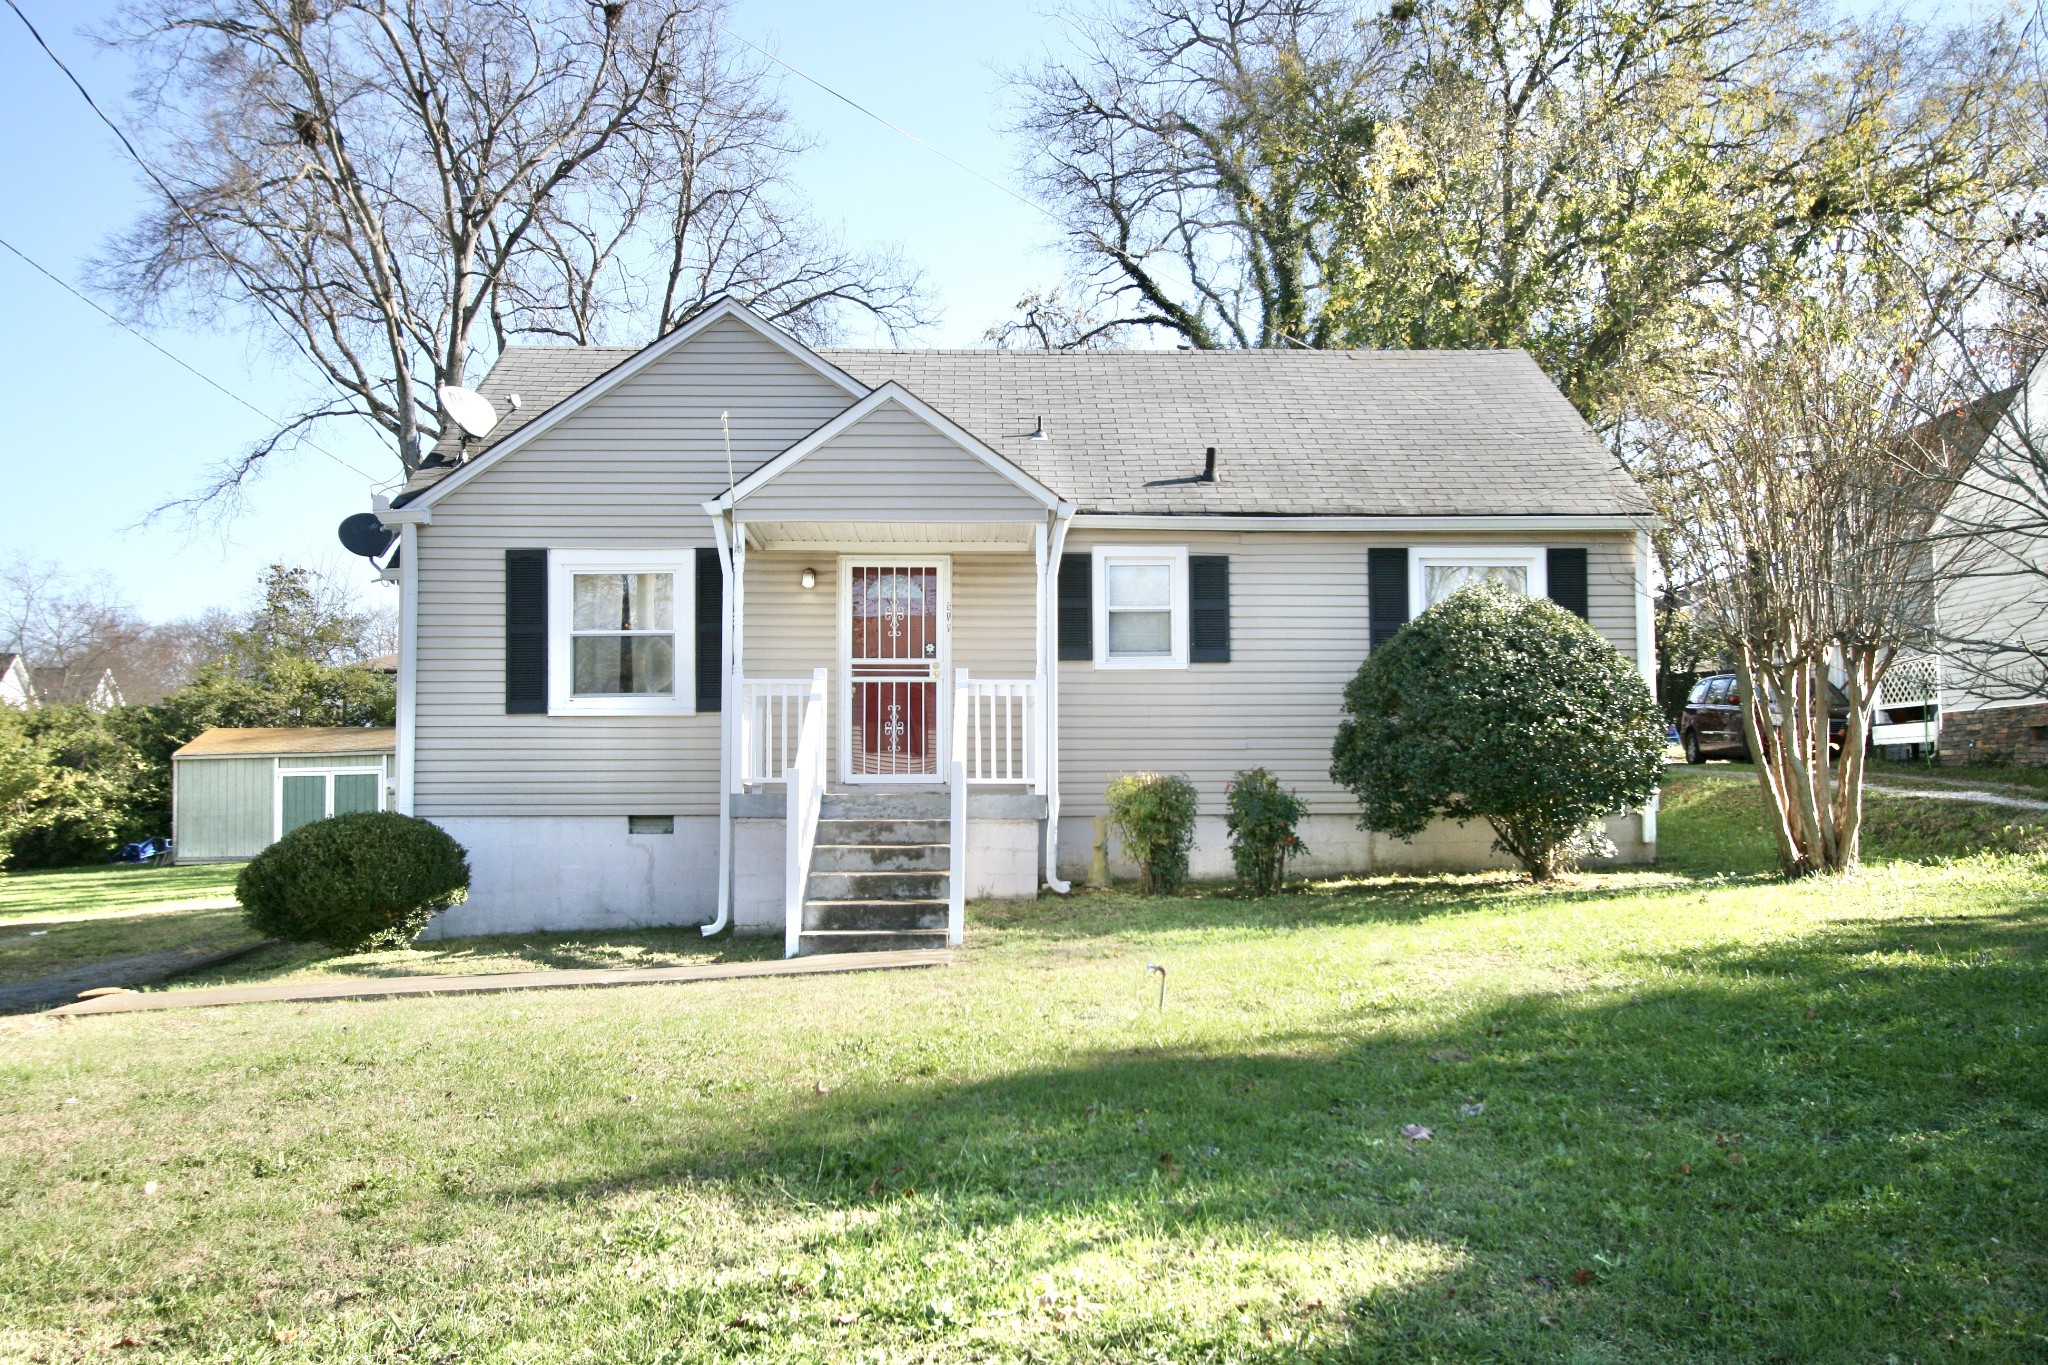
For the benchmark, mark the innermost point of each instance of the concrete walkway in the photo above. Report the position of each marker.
(1954, 793)
(138, 969)
(382, 987)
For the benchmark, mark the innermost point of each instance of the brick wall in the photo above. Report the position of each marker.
(2016, 734)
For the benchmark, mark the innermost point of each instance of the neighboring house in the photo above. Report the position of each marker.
(935, 601)
(236, 792)
(387, 664)
(1991, 586)
(15, 687)
(48, 686)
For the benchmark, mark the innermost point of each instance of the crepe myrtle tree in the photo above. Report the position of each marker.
(1498, 707)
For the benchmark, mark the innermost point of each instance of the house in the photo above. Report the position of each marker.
(1989, 678)
(821, 643)
(15, 688)
(53, 685)
(234, 792)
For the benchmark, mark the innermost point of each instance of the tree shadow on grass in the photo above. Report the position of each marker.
(1830, 1149)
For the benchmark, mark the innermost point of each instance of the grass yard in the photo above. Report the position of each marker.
(51, 921)
(1679, 1115)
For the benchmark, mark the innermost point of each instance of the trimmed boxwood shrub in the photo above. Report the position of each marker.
(1498, 707)
(1154, 814)
(1262, 817)
(372, 879)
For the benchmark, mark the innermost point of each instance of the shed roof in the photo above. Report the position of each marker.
(288, 741)
(1373, 433)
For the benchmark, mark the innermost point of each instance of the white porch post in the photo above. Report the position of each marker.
(1049, 695)
(729, 702)
(408, 659)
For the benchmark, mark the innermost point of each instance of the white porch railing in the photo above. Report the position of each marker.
(770, 715)
(1912, 686)
(805, 792)
(999, 740)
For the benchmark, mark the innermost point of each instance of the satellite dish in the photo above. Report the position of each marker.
(471, 410)
(362, 534)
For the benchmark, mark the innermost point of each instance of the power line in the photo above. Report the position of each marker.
(169, 196)
(177, 360)
(856, 105)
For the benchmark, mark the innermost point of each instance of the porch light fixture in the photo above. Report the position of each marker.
(808, 579)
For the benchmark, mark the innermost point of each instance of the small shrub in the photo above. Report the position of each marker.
(1154, 814)
(1498, 707)
(1263, 817)
(371, 879)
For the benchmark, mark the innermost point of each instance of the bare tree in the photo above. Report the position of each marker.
(398, 187)
(69, 630)
(1052, 321)
(1586, 180)
(1791, 470)
(1191, 150)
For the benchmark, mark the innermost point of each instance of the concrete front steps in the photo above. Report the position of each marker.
(879, 877)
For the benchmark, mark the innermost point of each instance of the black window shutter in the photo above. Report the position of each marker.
(526, 632)
(1386, 584)
(710, 630)
(1566, 570)
(1209, 609)
(1077, 606)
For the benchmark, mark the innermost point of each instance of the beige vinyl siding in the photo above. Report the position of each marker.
(890, 466)
(791, 630)
(1298, 626)
(223, 808)
(629, 472)
(1992, 588)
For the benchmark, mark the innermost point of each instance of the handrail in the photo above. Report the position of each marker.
(1000, 737)
(770, 713)
(956, 861)
(804, 795)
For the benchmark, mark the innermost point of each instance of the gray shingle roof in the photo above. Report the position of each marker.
(1373, 433)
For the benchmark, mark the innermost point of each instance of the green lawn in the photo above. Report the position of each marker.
(52, 921)
(77, 892)
(1679, 1115)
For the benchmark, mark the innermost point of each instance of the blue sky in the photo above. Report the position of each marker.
(98, 428)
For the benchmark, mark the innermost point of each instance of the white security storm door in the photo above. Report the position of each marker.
(894, 623)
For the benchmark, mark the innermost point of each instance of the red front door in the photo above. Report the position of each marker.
(896, 647)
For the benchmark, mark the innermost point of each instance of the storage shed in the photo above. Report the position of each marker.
(235, 792)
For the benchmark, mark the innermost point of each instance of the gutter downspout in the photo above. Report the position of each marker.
(1646, 656)
(728, 703)
(408, 520)
(1048, 612)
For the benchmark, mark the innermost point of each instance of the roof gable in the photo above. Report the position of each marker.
(430, 485)
(891, 451)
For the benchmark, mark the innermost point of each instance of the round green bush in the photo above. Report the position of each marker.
(1154, 814)
(372, 879)
(1504, 708)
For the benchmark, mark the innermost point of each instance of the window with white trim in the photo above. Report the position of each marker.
(1437, 571)
(618, 641)
(1141, 606)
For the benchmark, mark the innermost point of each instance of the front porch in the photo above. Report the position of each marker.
(889, 751)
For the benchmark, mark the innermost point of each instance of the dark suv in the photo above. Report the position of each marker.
(1712, 724)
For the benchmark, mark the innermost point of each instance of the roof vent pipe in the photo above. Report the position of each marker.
(1209, 466)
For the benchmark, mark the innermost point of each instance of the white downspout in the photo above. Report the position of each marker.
(1048, 646)
(729, 701)
(408, 658)
(1646, 655)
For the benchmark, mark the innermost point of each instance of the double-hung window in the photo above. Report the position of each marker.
(617, 644)
(1435, 572)
(1141, 607)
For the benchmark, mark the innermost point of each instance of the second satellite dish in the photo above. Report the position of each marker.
(362, 534)
(471, 410)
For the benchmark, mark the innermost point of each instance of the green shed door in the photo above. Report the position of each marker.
(355, 792)
(305, 800)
